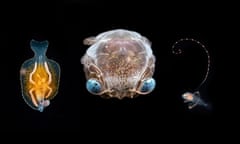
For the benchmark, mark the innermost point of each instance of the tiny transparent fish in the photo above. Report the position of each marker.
(193, 99)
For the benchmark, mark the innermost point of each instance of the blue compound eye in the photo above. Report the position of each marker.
(148, 85)
(93, 86)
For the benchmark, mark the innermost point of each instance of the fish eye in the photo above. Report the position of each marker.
(148, 85)
(93, 86)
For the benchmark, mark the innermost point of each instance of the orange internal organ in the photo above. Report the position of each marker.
(40, 84)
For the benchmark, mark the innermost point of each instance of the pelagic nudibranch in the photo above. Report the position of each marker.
(118, 64)
(39, 77)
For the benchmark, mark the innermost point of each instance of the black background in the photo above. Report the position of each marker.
(66, 24)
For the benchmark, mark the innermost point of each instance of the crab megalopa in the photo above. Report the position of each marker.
(118, 64)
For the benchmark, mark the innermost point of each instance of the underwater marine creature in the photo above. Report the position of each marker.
(39, 77)
(118, 64)
(193, 98)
